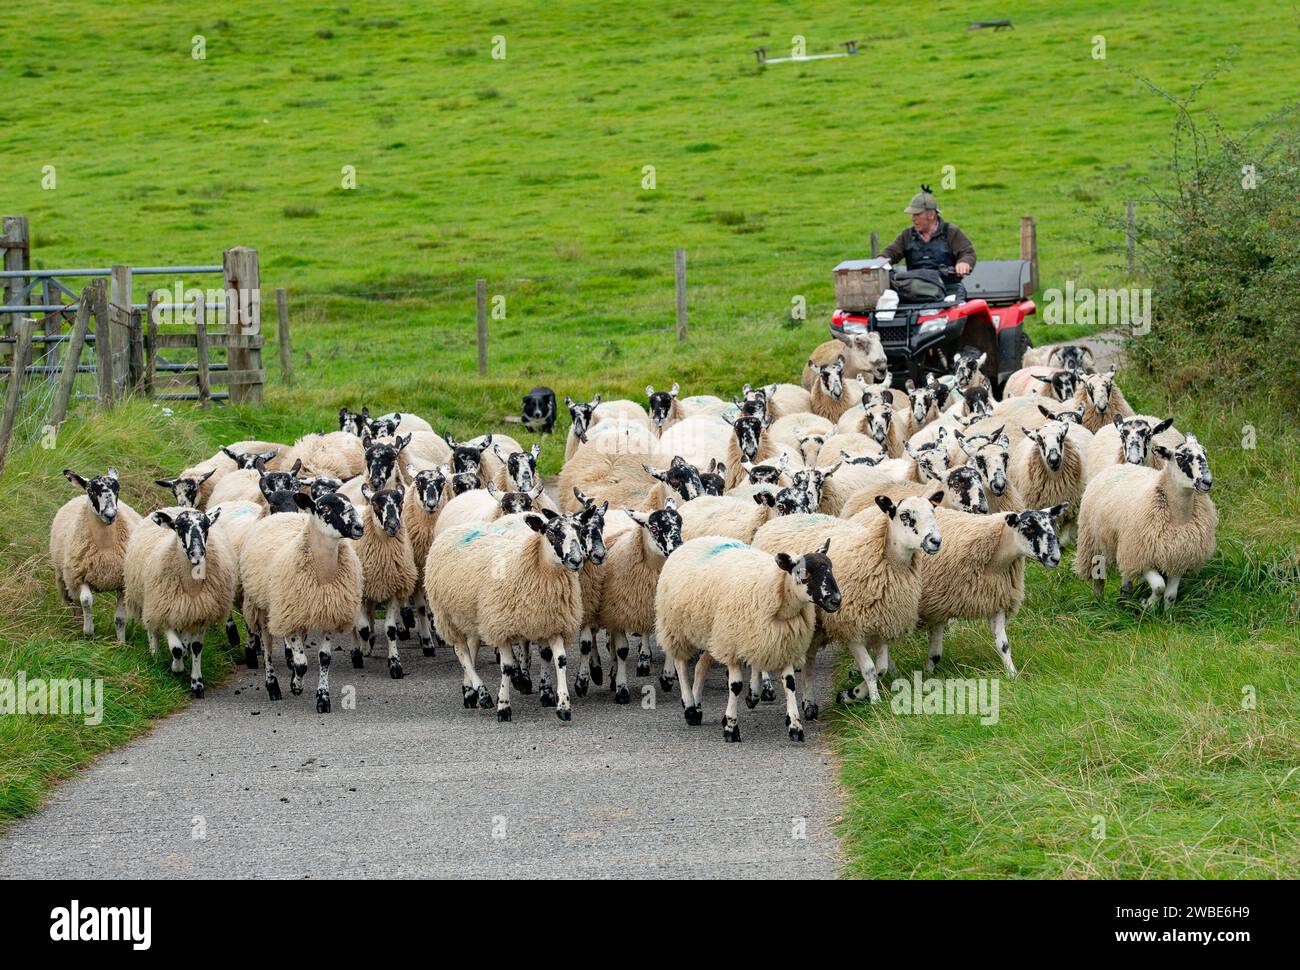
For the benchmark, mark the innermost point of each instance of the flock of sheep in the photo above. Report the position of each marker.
(748, 533)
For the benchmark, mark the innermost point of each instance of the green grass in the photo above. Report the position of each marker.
(528, 172)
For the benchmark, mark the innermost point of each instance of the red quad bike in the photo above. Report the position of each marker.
(984, 314)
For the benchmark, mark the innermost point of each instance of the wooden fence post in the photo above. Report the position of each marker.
(1130, 234)
(201, 347)
(679, 270)
(53, 324)
(243, 316)
(135, 335)
(286, 346)
(103, 343)
(875, 245)
(71, 360)
(15, 249)
(151, 342)
(1029, 249)
(119, 330)
(13, 393)
(480, 290)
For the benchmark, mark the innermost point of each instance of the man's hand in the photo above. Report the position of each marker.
(963, 268)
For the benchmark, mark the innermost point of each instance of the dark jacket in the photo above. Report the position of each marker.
(947, 237)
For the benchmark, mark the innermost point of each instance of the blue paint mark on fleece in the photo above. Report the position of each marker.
(722, 547)
(470, 537)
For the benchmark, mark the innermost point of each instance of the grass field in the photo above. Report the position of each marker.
(529, 172)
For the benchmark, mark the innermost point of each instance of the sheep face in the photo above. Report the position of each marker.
(185, 490)
(562, 536)
(966, 368)
(1098, 388)
(914, 523)
(333, 514)
(191, 528)
(101, 491)
(932, 461)
(281, 501)
(878, 419)
(715, 479)
(809, 445)
(280, 481)
(763, 474)
(964, 482)
(661, 404)
(387, 425)
(512, 502)
(990, 457)
(749, 431)
(1191, 467)
(1050, 439)
(1063, 383)
(664, 526)
(580, 415)
(429, 484)
(386, 507)
(591, 526)
(920, 400)
(467, 457)
(1035, 535)
(320, 485)
(1135, 436)
(381, 459)
(793, 500)
(244, 461)
(521, 467)
(1071, 357)
(811, 480)
(832, 377)
(354, 423)
(463, 482)
(869, 345)
(813, 572)
(681, 476)
(978, 402)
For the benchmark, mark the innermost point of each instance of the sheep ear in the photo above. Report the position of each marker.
(654, 472)
(982, 359)
(163, 519)
(1165, 453)
(1056, 511)
(1050, 416)
(825, 549)
(936, 499)
(675, 389)
(910, 386)
(535, 522)
(787, 563)
(297, 467)
(535, 450)
(167, 483)
(637, 517)
(1162, 426)
(1012, 518)
(446, 435)
(886, 505)
(577, 493)
(304, 502)
(832, 470)
(649, 390)
(568, 402)
(729, 419)
(1117, 421)
(670, 503)
(204, 478)
(410, 470)
(595, 401)
(367, 492)
(1040, 377)
(213, 516)
(765, 498)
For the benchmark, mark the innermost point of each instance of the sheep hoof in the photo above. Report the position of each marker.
(665, 683)
(503, 713)
(796, 733)
(580, 685)
(250, 658)
(810, 711)
(402, 633)
(548, 696)
(484, 698)
(408, 616)
(394, 668)
(273, 689)
(694, 716)
(768, 693)
(751, 699)
(427, 648)
(521, 682)
(295, 688)
(731, 731)
(622, 695)
(196, 689)
(597, 675)
(643, 667)
(322, 702)
(564, 713)
(358, 661)
(468, 698)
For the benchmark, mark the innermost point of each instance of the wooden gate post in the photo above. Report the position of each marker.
(15, 249)
(119, 330)
(151, 339)
(201, 347)
(71, 360)
(243, 317)
(1029, 249)
(103, 343)
(13, 393)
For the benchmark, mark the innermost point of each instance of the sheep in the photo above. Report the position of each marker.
(424, 503)
(1152, 524)
(990, 454)
(424, 449)
(667, 409)
(962, 489)
(388, 572)
(517, 469)
(1054, 382)
(831, 397)
(698, 439)
(584, 417)
(485, 505)
(1046, 469)
(844, 480)
(878, 419)
(927, 461)
(222, 464)
(750, 443)
(88, 538)
(386, 425)
(793, 430)
(861, 353)
(591, 584)
(490, 587)
(727, 515)
(923, 404)
(625, 480)
(1014, 417)
(783, 400)
(300, 576)
(879, 575)
(968, 371)
(1074, 357)
(980, 572)
(382, 461)
(237, 521)
(619, 436)
(1126, 441)
(180, 577)
(338, 453)
(1102, 400)
(740, 605)
(491, 459)
(634, 560)
(186, 489)
(254, 484)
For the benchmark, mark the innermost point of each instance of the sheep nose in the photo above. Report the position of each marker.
(832, 603)
(931, 544)
(1053, 560)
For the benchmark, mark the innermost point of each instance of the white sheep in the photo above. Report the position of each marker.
(180, 578)
(666, 409)
(387, 424)
(698, 439)
(213, 469)
(784, 400)
(626, 480)
(879, 575)
(585, 417)
(727, 515)
(1152, 524)
(337, 453)
(862, 353)
(429, 488)
(794, 430)
(1128, 441)
(738, 605)
(299, 576)
(1047, 468)
(1054, 382)
(388, 572)
(88, 540)
(831, 394)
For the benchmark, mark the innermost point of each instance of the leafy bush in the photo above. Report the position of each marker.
(1224, 264)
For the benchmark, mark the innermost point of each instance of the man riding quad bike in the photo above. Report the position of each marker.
(945, 306)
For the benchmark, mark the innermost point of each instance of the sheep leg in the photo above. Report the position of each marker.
(294, 643)
(1157, 584)
(469, 662)
(998, 627)
(390, 631)
(792, 721)
(364, 634)
(272, 685)
(196, 664)
(884, 662)
(547, 697)
(810, 708)
(672, 670)
(583, 679)
(690, 706)
(87, 599)
(423, 631)
(936, 648)
(405, 614)
(523, 678)
(697, 686)
(768, 692)
(153, 642)
(563, 709)
(755, 686)
(868, 686)
(506, 654)
(178, 647)
(597, 673)
(735, 684)
(643, 656)
(119, 617)
(1171, 591)
(324, 656)
(253, 649)
(618, 640)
